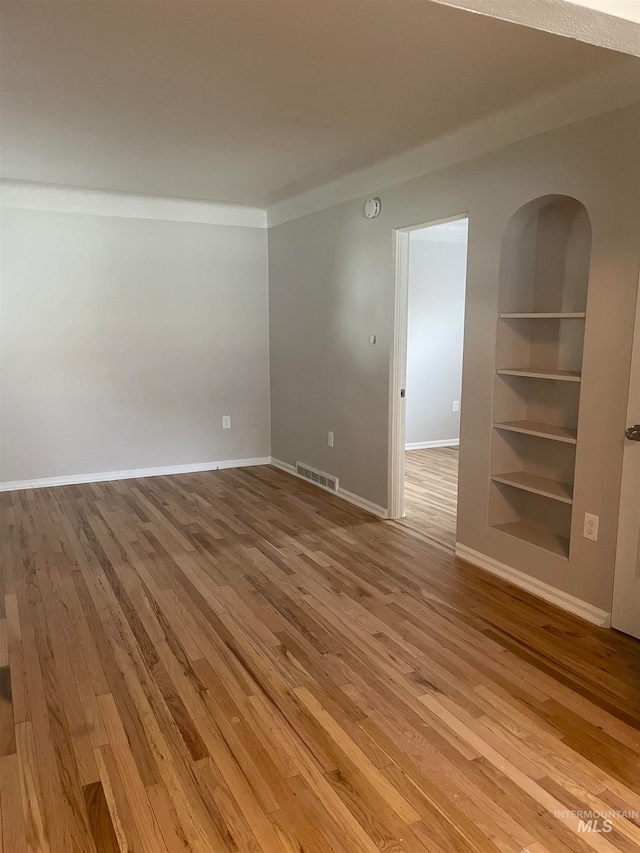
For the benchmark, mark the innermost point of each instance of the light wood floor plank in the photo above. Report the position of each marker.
(237, 661)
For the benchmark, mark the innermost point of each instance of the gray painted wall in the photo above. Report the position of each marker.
(125, 341)
(437, 280)
(331, 286)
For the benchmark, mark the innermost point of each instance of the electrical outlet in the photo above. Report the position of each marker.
(252, 420)
(226, 422)
(330, 439)
(456, 406)
(591, 524)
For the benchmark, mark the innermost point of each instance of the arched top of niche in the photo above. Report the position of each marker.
(545, 257)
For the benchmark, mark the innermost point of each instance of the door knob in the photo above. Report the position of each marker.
(633, 432)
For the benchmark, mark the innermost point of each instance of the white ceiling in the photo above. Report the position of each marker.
(628, 9)
(606, 23)
(253, 101)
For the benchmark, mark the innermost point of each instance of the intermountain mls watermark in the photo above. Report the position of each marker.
(593, 821)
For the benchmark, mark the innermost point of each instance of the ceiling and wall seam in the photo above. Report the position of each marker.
(562, 107)
(576, 102)
(46, 197)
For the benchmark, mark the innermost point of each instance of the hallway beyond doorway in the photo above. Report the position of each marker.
(431, 492)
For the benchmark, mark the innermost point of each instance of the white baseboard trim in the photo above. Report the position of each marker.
(356, 500)
(537, 587)
(284, 466)
(132, 474)
(442, 442)
(363, 503)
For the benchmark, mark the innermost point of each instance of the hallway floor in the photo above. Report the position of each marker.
(431, 494)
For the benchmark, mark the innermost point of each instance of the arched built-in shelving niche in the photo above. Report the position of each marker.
(544, 276)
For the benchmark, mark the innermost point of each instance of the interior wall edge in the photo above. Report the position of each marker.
(132, 474)
(536, 587)
(25, 195)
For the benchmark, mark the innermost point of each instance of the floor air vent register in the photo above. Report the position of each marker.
(325, 481)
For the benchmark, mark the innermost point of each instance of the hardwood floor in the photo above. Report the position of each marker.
(237, 661)
(431, 494)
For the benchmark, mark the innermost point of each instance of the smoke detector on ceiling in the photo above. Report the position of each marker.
(372, 208)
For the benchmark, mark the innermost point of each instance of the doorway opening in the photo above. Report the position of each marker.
(427, 402)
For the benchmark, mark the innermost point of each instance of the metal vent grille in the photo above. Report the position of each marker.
(325, 481)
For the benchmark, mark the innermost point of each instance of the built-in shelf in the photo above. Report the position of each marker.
(544, 486)
(545, 315)
(538, 536)
(540, 335)
(541, 373)
(555, 433)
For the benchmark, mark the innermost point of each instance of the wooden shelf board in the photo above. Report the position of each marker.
(549, 315)
(538, 485)
(541, 373)
(555, 433)
(537, 536)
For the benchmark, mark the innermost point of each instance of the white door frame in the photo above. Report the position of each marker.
(398, 366)
(625, 614)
